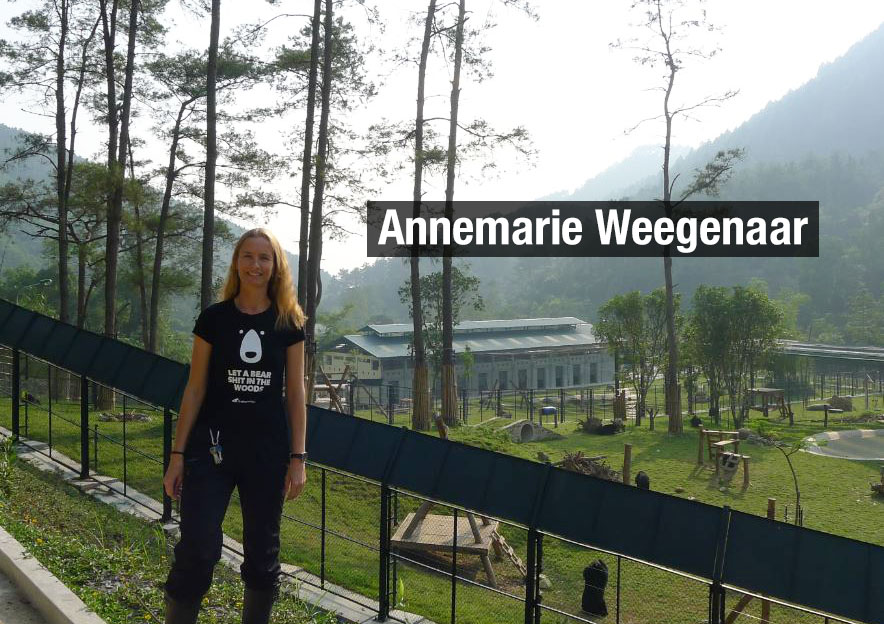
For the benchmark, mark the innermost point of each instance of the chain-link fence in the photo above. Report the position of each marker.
(386, 548)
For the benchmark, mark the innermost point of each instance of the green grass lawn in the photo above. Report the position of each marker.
(116, 563)
(835, 495)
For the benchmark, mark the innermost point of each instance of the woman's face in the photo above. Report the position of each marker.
(254, 265)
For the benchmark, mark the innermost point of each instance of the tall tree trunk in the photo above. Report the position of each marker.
(61, 170)
(109, 31)
(115, 214)
(139, 258)
(206, 297)
(420, 416)
(672, 394)
(315, 251)
(307, 159)
(81, 285)
(449, 375)
(153, 322)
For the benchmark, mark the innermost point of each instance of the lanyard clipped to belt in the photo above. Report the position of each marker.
(215, 449)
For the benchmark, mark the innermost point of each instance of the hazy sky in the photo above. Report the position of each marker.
(558, 78)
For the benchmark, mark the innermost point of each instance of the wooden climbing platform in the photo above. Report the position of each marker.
(436, 533)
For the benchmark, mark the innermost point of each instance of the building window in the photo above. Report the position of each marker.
(375, 365)
(504, 379)
(523, 379)
(483, 381)
(541, 378)
(575, 375)
(560, 376)
(593, 372)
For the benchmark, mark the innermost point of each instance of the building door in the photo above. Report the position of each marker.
(523, 379)
(503, 376)
(560, 376)
(541, 378)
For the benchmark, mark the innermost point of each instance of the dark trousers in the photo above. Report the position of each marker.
(258, 473)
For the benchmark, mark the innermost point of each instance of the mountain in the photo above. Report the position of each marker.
(823, 141)
(624, 178)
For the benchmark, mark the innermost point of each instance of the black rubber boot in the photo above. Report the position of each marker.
(178, 612)
(256, 605)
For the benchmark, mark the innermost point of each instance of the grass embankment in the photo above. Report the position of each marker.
(835, 496)
(114, 562)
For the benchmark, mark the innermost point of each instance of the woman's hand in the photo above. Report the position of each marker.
(174, 478)
(295, 479)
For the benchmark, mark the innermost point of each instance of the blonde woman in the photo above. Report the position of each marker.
(234, 431)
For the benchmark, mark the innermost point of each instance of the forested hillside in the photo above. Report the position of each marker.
(824, 141)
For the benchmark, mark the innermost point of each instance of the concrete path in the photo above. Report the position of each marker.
(14, 607)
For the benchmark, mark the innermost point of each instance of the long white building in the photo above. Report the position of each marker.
(520, 353)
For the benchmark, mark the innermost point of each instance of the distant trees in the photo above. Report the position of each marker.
(463, 294)
(731, 334)
(634, 327)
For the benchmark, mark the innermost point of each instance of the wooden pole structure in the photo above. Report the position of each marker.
(627, 462)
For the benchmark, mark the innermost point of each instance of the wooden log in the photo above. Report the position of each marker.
(474, 527)
(489, 570)
(746, 459)
(416, 520)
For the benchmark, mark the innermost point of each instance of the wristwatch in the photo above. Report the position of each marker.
(301, 456)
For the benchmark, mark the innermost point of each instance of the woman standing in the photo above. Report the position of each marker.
(233, 432)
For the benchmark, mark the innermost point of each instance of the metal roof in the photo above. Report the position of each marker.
(838, 352)
(477, 326)
(397, 346)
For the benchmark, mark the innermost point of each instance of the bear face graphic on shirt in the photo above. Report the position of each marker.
(250, 348)
(245, 379)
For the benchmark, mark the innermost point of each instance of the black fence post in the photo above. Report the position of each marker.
(531, 577)
(465, 403)
(322, 535)
(167, 454)
(454, 570)
(351, 397)
(538, 596)
(560, 417)
(16, 394)
(95, 447)
(390, 402)
(716, 589)
(384, 558)
(84, 427)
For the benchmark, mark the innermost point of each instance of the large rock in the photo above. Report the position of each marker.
(841, 403)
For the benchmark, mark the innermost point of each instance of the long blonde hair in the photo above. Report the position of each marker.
(281, 288)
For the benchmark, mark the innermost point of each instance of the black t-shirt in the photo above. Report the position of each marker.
(245, 383)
